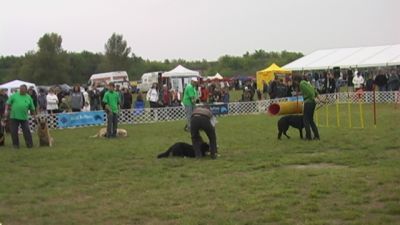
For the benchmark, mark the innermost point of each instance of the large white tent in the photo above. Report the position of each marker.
(376, 56)
(180, 76)
(14, 86)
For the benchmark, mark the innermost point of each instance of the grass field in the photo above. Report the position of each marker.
(351, 176)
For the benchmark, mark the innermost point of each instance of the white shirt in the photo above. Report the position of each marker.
(358, 81)
(152, 95)
(52, 101)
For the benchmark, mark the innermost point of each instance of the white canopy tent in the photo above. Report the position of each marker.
(215, 77)
(14, 85)
(387, 55)
(180, 76)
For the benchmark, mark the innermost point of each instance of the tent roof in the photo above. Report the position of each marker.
(16, 83)
(387, 55)
(274, 68)
(218, 76)
(215, 77)
(181, 71)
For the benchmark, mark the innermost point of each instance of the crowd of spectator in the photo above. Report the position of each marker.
(56, 99)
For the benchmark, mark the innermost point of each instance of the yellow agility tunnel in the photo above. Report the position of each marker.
(283, 108)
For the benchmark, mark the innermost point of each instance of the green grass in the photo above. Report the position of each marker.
(351, 176)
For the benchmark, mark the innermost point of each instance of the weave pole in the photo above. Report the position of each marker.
(349, 109)
(337, 111)
(374, 105)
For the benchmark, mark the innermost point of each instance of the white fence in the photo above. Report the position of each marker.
(148, 115)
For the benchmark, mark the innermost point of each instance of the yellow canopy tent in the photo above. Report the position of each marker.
(269, 74)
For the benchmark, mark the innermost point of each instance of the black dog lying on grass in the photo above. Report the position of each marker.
(295, 121)
(182, 149)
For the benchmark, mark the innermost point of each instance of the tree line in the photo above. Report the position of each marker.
(51, 64)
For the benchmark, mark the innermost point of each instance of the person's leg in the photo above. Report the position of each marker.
(115, 124)
(195, 134)
(188, 110)
(307, 119)
(14, 132)
(212, 137)
(312, 123)
(109, 124)
(27, 133)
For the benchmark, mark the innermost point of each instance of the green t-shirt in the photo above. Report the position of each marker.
(189, 94)
(20, 104)
(308, 91)
(111, 98)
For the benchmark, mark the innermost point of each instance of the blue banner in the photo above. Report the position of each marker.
(219, 109)
(295, 99)
(80, 119)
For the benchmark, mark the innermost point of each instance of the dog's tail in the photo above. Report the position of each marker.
(95, 136)
(163, 155)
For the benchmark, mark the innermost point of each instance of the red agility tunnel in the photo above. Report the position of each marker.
(283, 108)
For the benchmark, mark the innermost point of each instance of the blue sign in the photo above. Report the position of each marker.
(295, 98)
(219, 109)
(80, 119)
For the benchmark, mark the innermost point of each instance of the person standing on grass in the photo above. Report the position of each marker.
(77, 99)
(127, 99)
(3, 100)
(152, 96)
(309, 95)
(358, 81)
(20, 103)
(111, 102)
(95, 98)
(189, 100)
(51, 102)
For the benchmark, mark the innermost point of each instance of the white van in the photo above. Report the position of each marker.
(147, 80)
(102, 79)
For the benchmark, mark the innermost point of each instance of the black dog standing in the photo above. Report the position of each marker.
(295, 121)
(201, 120)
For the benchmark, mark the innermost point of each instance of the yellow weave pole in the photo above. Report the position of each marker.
(337, 113)
(327, 115)
(349, 113)
(361, 114)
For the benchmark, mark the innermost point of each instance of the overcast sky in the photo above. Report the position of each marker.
(200, 29)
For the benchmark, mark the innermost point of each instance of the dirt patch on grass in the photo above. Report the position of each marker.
(316, 166)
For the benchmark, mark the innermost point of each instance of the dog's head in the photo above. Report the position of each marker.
(41, 122)
(122, 133)
(205, 147)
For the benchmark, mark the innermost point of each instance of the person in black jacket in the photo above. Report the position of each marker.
(381, 81)
(393, 83)
(202, 119)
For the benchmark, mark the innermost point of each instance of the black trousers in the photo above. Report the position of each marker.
(112, 124)
(198, 123)
(14, 124)
(2, 130)
(308, 118)
(153, 104)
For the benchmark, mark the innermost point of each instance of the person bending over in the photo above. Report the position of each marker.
(202, 119)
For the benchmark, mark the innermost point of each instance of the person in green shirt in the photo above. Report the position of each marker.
(309, 94)
(189, 100)
(111, 102)
(17, 108)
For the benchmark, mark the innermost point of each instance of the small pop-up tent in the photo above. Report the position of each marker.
(215, 77)
(180, 76)
(14, 85)
(269, 74)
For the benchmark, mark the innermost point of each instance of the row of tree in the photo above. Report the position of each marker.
(51, 64)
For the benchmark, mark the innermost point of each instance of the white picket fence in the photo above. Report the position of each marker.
(149, 115)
